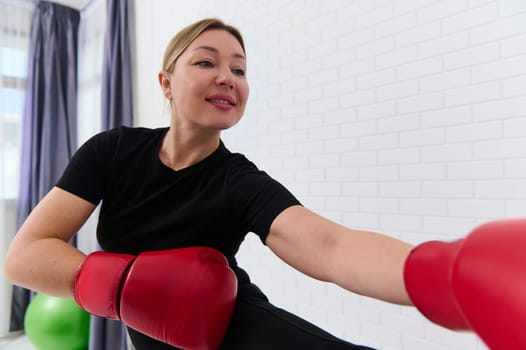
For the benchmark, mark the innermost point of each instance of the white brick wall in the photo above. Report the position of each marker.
(400, 116)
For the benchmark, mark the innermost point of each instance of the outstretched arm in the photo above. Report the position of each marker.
(362, 262)
(40, 257)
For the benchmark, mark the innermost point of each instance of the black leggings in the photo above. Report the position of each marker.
(258, 325)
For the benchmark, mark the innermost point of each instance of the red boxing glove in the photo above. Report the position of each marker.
(97, 283)
(477, 283)
(184, 297)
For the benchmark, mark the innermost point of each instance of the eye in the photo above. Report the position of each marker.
(205, 64)
(238, 71)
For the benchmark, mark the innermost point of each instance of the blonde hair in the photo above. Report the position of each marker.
(180, 42)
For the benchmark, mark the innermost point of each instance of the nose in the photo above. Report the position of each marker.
(225, 78)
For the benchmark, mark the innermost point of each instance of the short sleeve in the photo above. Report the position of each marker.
(87, 172)
(258, 199)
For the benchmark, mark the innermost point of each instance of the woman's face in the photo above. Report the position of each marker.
(208, 88)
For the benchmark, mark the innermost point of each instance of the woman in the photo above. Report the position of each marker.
(180, 187)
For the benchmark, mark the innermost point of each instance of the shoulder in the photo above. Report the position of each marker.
(238, 163)
(125, 131)
(245, 176)
(137, 133)
(115, 137)
(240, 169)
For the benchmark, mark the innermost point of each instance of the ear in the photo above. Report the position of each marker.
(166, 85)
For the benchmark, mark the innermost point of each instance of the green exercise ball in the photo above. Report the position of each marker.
(56, 324)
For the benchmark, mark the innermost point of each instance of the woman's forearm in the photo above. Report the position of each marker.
(46, 265)
(371, 264)
(362, 262)
(40, 257)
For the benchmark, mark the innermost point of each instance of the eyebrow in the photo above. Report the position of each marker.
(216, 51)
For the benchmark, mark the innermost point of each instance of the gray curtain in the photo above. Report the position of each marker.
(50, 114)
(117, 96)
(117, 109)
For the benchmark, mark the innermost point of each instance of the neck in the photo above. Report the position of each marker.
(180, 150)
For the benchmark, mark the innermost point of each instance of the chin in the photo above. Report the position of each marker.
(226, 124)
(224, 127)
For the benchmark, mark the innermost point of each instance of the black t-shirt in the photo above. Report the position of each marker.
(149, 206)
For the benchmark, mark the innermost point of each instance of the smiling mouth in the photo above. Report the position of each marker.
(222, 101)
